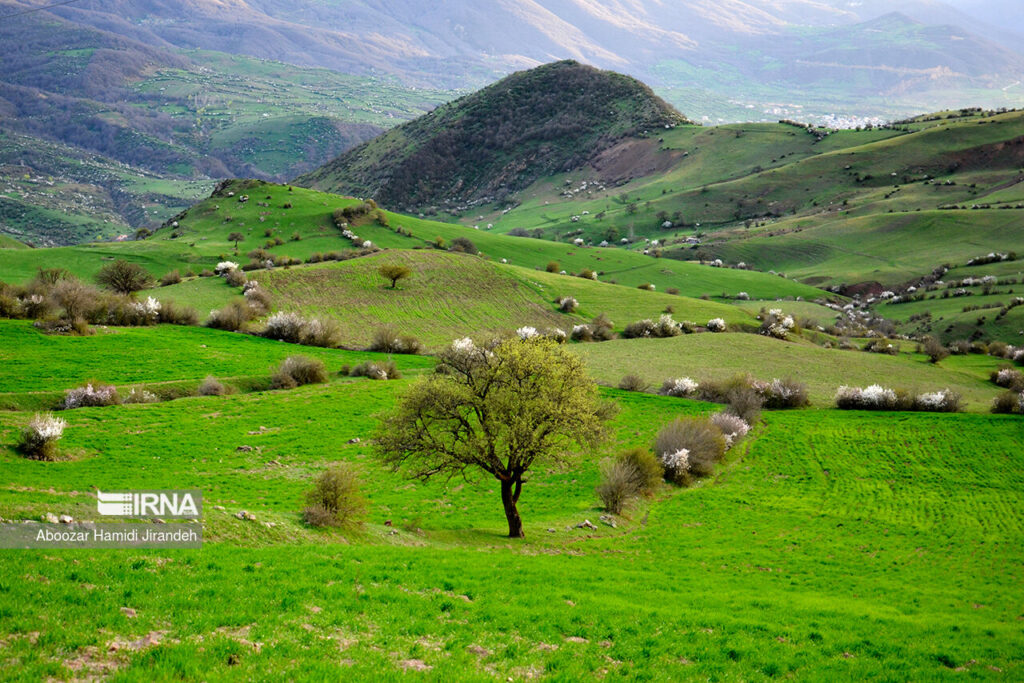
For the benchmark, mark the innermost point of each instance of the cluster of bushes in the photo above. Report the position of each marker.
(664, 327)
(567, 304)
(877, 397)
(775, 324)
(689, 447)
(345, 255)
(374, 369)
(294, 329)
(992, 257)
(1008, 378)
(555, 334)
(60, 302)
(597, 330)
(389, 339)
(744, 394)
(1009, 402)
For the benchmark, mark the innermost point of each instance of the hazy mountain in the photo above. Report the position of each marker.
(712, 57)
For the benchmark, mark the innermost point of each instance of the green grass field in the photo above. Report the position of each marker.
(719, 357)
(831, 545)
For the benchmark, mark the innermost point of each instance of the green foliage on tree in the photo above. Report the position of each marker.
(498, 411)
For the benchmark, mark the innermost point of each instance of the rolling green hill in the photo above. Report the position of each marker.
(500, 139)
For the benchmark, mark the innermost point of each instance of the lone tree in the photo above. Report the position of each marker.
(498, 410)
(394, 272)
(236, 237)
(124, 277)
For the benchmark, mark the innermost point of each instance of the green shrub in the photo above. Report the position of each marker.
(173, 314)
(464, 245)
(1008, 402)
(235, 277)
(646, 471)
(296, 371)
(617, 489)
(336, 498)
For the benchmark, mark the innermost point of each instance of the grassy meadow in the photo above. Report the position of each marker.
(830, 545)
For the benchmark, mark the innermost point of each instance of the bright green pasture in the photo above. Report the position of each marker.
(720, 356)
(832, 546)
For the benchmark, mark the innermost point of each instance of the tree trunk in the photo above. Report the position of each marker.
(510, 491)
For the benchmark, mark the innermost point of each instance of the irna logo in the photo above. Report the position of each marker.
(160, 503)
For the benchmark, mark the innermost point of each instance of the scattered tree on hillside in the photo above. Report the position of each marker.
(394, 272)
(124, 277)
(236, 237)
(498, 410)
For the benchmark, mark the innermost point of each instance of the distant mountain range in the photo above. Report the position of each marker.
(711, 57)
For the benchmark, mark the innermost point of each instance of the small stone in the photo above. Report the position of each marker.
(219, 507)
(355, 440)
(66, 519)
(128, 612)
(246, 516)
(157, 520)
(551, 530)
(244, 449)
(50, 518)
(586, 524)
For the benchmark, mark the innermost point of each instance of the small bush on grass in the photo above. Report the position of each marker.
(1008, 378)
(232, 317)
(140, 395)
(665, 326)
(783, 393)
(39, 438)
(733, 428)
(934, 349)
(1008, 402)
(679, 387)
(388, 339)
(376, 370)
(258, 299)
(632, 474)
(235, 277)
(633, 382)
(744, 402)
(211, 387)
(296, 371)
(173, 314)
(335, 499)
(689, 448)
(567, 304)
(716, 325)
(617, 489)
(170, 278)
(89, 396)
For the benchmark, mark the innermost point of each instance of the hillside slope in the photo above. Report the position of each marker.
(551, 119)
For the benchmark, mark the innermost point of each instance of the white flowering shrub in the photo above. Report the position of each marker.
(249, 286)
(1008, 377)
(567, 304)
(464, 345)
(874, 397)
(285, 326)
(716, 325)
(147, 311)
(39, 438)
(733, 427)
(689, 448)
(743, 296)
(89, 396)
(527, 332)
(782, 393)
(679, 387)
(224, 267)
(137, 395)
